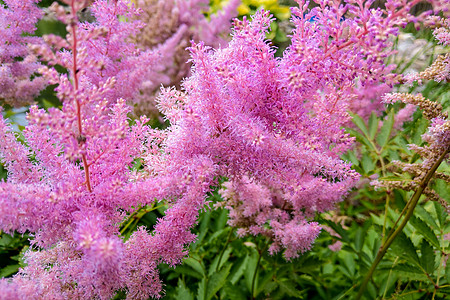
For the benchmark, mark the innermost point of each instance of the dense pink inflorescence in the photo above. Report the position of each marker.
(17, 65)
(69, 185)
(298, 103)
(243, 109)
(273, 126)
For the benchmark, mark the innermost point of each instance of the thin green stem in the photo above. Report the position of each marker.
(441, 264)
(223, 250)
(137, 215)
(383, 236)
(389, 277)
(348, 291)
(404, 210)
(413, 202)
(256, 272)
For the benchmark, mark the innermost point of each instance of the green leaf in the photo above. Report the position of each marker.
(221, 221)
(360, 138)
(419, 129)
(264, 281)
(250, 270)
(403, 245)
(203, 229)
(216, 281)
(289, 288)
(447, 272)
(195, 264)
(427, 257)
(9, 270)
(367, 163)
(201, 292)
(425, 216)
(359, 122)
(440, 213)
(425, 230)
(410, 272)
(359, 239)
(373, 125)
(214, 267)
(308, 265)
(234, 292)
(385, 130)
(348, 262)
(188, 271)
(182, 292)
(442, 188)
(350, 156)
(238, 269)
(268, 288)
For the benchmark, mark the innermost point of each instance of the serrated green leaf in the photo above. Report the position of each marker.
(234, 292)
(289, 288)
(188, 271)
(371, 291)
(360, 137)
(351, 157)
(442, 188)
(216, 281)
(217, 234)
(367, 163)
(238, 269)
(427, 258)
(393, 155)
(223, 259)
(440, 213)
(385, 130)
(348, 260)
(410, 272)
(425, 230)
(419, 129)
(201, 292)
(308, 265)
(425, 216)
(5, 240)
(221, 221)
(262, 282)
(182, 292)
(268, 288)
(447, 272)
(203, 229)
(359, 239)
(250, 270)
(403, 268)
(403, 245)
(359, 122)
(9, 270)
(373, 125)
(195, 264)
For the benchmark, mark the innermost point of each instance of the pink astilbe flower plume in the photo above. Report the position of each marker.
(17, 21)
(241, 110)
(289, 113)
(70, 183)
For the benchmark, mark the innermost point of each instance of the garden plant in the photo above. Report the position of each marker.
(196, 149)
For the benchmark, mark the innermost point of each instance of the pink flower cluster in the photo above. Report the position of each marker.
(17, 65)
(272, 126)
(295, 106)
